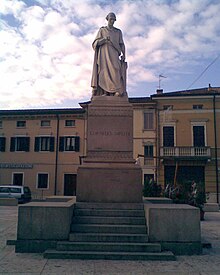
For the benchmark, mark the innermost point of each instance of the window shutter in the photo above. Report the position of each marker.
(77, 144)
(2, 144)
(52, 144)
(12, 145)
(37, 144)
(61, 144)
(27, 144)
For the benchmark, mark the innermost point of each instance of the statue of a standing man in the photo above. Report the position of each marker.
(109, 68)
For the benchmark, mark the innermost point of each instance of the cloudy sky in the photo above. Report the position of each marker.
(46, 55)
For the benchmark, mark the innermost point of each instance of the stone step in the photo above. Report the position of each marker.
(107, 237)
(100, 228)
(94, 255)
(108, 247)
(109, 213)
(122, 206)
(109, 220)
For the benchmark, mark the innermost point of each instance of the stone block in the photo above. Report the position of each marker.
(60, 198)
(211, 207)
(183, 248)
(44, 221)
(177, 223)
(8, 202)
(34, 246)
(109, 184)
(157, 200)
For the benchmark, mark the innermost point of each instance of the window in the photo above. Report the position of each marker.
(4, 190)
(21, 144)
(42, 180)
(168, 136)
(44, 144)
(2, 144)
(168, 107)
(21, 123)
(198, 136)
(148, 121)
(149, 151)
(148, 155)
(1, 124)
(15, 190)
(197, 107)
(45, 123)
(70, 123)
(18, 179)
(148, 178)
(69, 143)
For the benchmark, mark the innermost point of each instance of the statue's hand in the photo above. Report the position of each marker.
(122, 58)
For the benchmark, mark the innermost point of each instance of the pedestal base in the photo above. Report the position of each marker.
(109, 184)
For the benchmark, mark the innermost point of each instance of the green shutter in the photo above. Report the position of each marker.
(12, 145)
(37, 144)
(77, 144)
(2, 144)
(61, 144)
(27, 144)
(52, 139)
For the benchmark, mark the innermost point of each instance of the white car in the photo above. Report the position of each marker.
(21, 193)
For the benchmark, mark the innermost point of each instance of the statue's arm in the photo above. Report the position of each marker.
(99, 40)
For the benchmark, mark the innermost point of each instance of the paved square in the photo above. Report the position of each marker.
(15, 263)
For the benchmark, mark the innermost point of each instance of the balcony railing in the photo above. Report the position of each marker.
(185, 152)
(149, 161)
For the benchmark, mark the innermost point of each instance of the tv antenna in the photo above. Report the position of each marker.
(160, 78)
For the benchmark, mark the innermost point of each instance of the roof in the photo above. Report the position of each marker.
(139, 99)
(193, 92)
(63, 111)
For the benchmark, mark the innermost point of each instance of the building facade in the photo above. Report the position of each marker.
(188, 135)
(176, 138)
(42, 149)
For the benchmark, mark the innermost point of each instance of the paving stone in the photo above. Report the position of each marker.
(12, 263)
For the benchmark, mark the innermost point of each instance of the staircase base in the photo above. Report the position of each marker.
(96, 255)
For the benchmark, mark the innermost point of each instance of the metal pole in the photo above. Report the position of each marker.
(216, 150)
(57, 150)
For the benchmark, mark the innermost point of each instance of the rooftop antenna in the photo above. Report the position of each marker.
(160, 76)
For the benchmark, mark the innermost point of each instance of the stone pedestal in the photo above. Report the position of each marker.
(109, 172)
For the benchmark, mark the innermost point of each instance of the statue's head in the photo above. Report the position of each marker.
(111, 15)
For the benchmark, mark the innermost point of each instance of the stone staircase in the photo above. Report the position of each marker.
(114, 231)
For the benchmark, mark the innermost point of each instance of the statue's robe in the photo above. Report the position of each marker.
(107, 68)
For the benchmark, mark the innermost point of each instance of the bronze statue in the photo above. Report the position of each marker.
(109, 68)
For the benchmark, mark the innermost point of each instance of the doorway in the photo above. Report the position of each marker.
(70, 184)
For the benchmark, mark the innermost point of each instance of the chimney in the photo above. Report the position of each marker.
(159, 91)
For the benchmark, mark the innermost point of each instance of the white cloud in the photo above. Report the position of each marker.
(46, 54)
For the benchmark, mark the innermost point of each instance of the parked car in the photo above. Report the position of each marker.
(21, 193)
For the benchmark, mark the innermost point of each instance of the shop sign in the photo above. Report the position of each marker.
(16, 166)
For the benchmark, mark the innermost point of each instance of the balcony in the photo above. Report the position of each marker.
(185, 153)
(149, 161)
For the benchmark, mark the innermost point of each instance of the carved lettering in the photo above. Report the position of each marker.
(110, 133)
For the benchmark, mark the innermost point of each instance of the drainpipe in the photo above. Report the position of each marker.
(157, 144)
(57, 152)
(216, 150)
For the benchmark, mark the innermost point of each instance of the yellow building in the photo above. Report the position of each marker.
(144, 135)
(41, 149)
(188, 135)
(176, 138)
